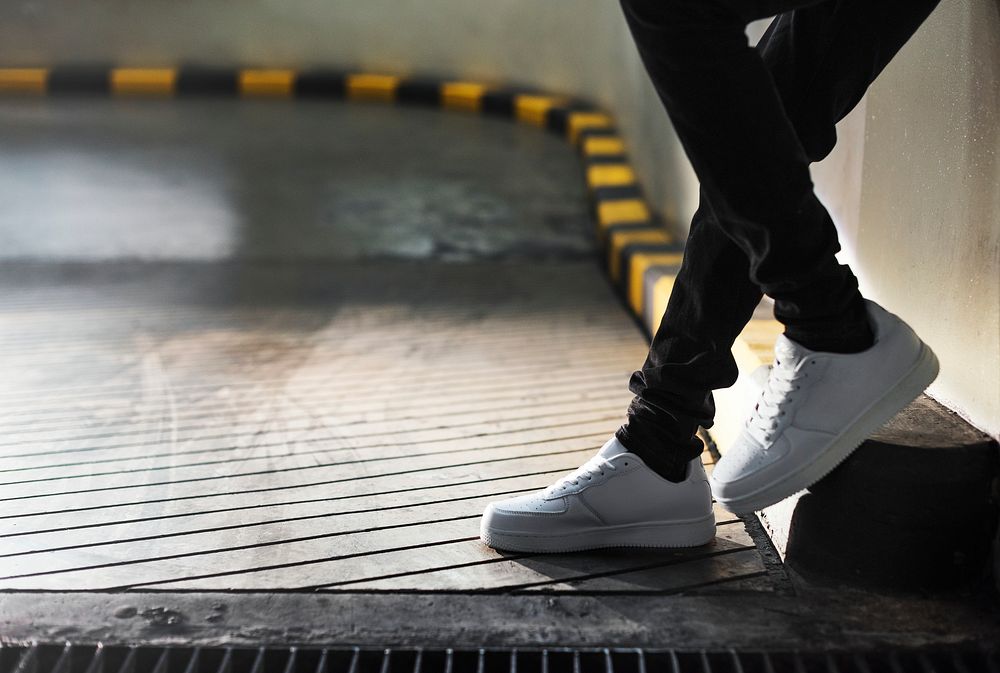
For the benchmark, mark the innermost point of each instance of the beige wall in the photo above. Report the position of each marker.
(913, 185)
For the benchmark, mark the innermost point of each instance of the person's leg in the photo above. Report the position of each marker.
(691, 355)
(821, 59)
(753, 170)
(824, 57)
(613, 499)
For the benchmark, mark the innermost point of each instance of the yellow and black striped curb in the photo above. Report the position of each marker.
(640, 254)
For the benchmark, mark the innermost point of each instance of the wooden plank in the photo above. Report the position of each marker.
(288, 413)
(222, 409)
(675, 576)
(285, 515)
(470, 566)
(481, 452)
(172, 561)
(349, 447)
(112, 509)
(248, 443)
(228, 397)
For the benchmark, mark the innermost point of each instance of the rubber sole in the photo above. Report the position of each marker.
(666, 534)
(907, 389)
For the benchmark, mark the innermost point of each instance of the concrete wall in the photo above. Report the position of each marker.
(914, 183)
(915, 187)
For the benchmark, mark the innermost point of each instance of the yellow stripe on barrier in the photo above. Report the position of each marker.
(638, 265)
(268, 83)
(23, 80)
(750, 352)
(372, 87)
(619, 211)
(466, 96)
(610, 175)
(603, 146)
(532, 109)
(619, 239)
(760, 335)
(581, 121)
(143, 81)
(661, 295)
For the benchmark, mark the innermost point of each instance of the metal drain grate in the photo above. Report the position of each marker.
(71, 658)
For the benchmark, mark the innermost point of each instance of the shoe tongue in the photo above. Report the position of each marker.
(612, 448)
(787, 352)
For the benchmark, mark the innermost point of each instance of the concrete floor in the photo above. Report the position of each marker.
(263, 365)
(280, 180)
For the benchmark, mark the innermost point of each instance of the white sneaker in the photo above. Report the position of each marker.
(612, 500)
(816, 408)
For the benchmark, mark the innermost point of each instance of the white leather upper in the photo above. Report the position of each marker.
(627, 492)
(810, 397)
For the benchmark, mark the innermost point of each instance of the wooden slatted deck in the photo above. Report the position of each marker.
(275, 351)
(339, 430)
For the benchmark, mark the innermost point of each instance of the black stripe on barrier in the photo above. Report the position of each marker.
(598, 159)
(205, 81)
(80, 80)
(652, 248)
(330, 84)
(499, 102)
(419, 91)
(628, 250)
(605, 132)
(638, 225)
(557, 118)
(623, 226)
(615, 193)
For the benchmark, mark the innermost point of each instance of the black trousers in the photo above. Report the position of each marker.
(751, 121)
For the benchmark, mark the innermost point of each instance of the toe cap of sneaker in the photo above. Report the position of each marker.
(525, 514)
(535, 515)
(529, 505)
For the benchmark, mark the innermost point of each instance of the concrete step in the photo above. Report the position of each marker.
(914, 508)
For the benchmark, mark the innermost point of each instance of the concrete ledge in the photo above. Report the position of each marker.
(912, 509)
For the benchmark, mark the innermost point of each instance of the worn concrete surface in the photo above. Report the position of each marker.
(834, 620)
(280, 180)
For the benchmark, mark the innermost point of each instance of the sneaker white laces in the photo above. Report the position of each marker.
(586, 472)
(777, 395)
